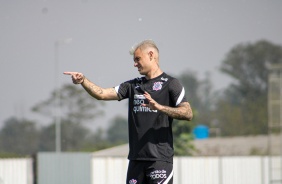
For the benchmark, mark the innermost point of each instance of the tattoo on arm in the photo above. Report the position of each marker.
(182, 112)
(96, 89)
(92, 89)
(98, 92)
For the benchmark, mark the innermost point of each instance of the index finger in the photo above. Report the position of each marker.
(70, 73)
(147, 95)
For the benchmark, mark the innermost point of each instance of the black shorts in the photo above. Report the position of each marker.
(149, 172)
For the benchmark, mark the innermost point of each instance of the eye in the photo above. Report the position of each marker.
(136, 59)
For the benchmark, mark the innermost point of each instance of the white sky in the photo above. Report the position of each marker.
(191, 34)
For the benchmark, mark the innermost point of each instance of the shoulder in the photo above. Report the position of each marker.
(170, 79)
(133, 81)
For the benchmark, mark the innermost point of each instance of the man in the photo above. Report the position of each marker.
(154, 101)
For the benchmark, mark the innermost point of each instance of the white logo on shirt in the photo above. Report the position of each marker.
(137, 101)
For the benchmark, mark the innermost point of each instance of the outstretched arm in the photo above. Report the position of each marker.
(182, 112)
(94, 90)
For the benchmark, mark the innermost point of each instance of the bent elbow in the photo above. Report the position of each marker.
(189, 117)
(186, 117)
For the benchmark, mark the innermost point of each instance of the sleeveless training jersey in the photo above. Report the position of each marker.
(150, 131)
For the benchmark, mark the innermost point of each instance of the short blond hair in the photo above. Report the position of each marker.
(143, 45)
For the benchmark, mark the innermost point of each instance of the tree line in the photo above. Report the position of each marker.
(238, 110)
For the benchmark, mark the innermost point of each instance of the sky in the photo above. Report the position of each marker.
(94, 38)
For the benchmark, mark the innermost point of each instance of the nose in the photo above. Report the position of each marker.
(135, 64)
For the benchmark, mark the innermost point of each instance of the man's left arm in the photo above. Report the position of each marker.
(182, 112)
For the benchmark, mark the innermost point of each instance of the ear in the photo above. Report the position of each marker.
(151, 54)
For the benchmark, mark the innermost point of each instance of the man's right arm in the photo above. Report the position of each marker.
(95, 91)
(98, 92)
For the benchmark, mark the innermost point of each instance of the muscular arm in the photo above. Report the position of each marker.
(98, 92)
(182, 112)
(95, 91)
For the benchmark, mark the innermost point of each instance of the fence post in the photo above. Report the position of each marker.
(220, 170)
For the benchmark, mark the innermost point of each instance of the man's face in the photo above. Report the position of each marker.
(142, 61)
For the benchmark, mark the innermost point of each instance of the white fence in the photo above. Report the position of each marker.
(83, 168)
(195, 170)
(64, 168)
(16, 171)
(221, 170)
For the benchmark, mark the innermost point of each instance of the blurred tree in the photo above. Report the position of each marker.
(183, 138)
(97, 141)
(19, 137)
(192, 85)
(76, 105)
(247, 65)
(118, 130)
(73, 136)
(229, 118)
(243, 108)
(200, 95)
(47, 138)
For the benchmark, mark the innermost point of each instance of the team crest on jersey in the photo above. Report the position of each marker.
(132, 181)
(158, 86)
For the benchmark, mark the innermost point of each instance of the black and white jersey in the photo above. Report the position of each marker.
(150, 131)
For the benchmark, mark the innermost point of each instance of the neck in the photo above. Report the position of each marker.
(154, 73)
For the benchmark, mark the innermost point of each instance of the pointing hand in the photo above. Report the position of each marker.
(77, 78)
